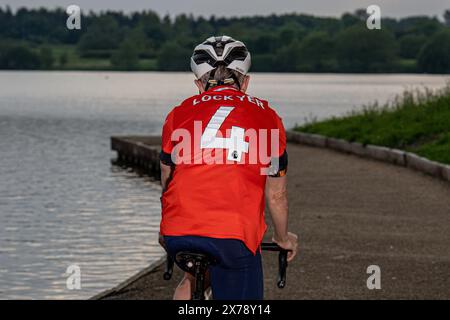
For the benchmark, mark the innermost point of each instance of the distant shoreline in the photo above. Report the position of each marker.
(42, 39)
(253, 72)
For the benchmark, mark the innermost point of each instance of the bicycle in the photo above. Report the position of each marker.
(197, 264)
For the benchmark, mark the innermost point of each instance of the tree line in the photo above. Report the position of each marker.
(30, 39)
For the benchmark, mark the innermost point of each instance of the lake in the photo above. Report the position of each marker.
(63, 203)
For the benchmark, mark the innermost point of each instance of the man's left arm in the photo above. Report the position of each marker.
(165, 157)
(166, 164)
(166, 173)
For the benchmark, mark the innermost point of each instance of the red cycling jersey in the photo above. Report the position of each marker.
(220, 143)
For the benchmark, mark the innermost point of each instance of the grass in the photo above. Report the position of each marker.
(417, 121)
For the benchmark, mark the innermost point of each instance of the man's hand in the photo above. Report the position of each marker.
(289, 243)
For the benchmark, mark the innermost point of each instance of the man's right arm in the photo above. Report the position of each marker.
(276, 195)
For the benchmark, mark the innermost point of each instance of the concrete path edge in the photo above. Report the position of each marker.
(393, 156)
(130, 280)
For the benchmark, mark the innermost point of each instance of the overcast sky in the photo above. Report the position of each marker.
(392, 8)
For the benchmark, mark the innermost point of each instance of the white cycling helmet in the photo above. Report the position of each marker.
(220, 50)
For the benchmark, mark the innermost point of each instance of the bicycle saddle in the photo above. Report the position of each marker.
(190, 261)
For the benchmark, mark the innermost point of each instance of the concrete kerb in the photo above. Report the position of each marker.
(358, 149)
(418, 163)
(314, 140)
(339, 144)
(394, 156)
(446, 173)
(386, 154)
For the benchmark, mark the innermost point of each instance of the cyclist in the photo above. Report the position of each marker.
(215, 180)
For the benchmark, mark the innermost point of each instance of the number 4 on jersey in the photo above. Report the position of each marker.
(235, 144)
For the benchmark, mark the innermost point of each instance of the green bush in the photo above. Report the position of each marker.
(126, 57)
(411, 45)
(18, 57)
(174, 57)
(317, 53)
(363, 50)
(435, 55)
(46, 58)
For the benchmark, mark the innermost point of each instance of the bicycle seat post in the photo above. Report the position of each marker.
(199, 273)
(197, 265)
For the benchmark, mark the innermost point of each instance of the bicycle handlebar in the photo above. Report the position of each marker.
(282, 261)
(266, 246)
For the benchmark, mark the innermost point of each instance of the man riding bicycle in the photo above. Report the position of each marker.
(223, 154)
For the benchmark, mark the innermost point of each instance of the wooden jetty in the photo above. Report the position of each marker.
(140, 152)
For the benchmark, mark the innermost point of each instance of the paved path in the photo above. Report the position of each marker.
(351, 213)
